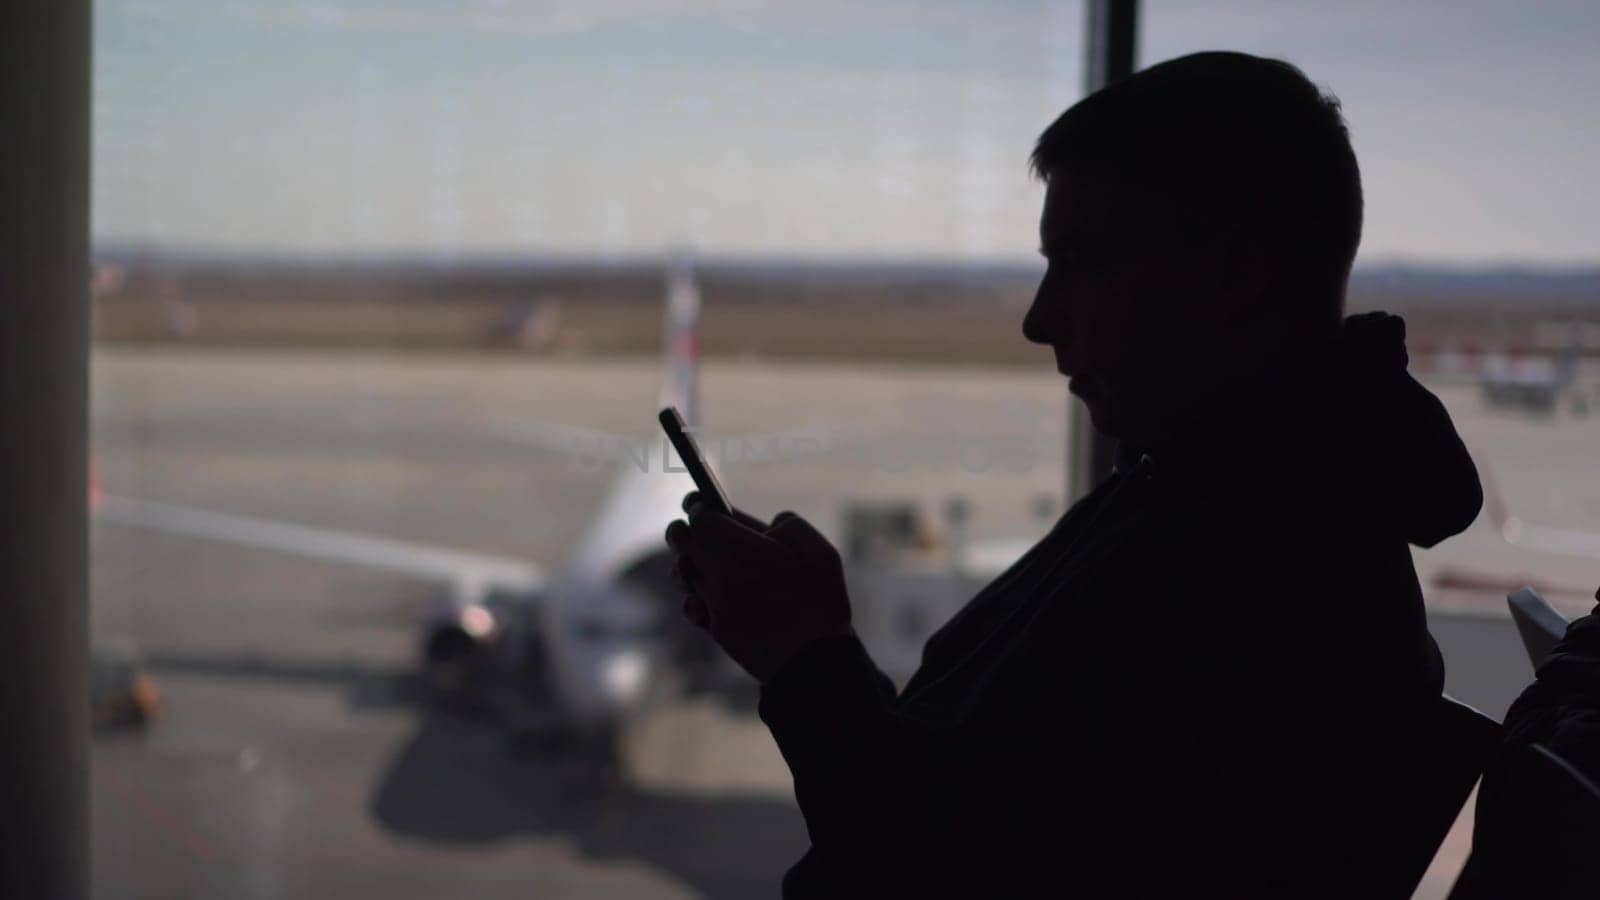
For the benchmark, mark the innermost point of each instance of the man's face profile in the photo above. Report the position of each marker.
(1115, 302)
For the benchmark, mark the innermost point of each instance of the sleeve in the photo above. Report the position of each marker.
(889, 800)
(894, 802)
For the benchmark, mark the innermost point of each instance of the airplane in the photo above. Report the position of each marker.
(570, 657)
(571, 653)
(1526, 535)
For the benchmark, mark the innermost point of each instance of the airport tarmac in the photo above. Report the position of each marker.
(292, 761)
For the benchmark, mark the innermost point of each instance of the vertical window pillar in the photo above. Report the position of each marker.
(1111, 40)
(44, 276)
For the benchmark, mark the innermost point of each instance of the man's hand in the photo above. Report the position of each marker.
(762, 591)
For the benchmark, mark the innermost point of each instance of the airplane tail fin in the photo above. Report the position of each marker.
(681, 339)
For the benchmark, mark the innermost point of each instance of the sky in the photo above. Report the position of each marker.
(859, 129)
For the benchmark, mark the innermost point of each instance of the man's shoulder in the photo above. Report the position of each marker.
(1235, 557)
(1246, 516)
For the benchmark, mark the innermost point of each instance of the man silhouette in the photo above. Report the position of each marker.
(1209, 675)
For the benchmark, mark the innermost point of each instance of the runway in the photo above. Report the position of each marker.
(293, 759)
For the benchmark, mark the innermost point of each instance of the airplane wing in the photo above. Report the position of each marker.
(471, 574)
(1548, 539)
(1531, 535)
(594, 445)
(589, 444)
(853, 442)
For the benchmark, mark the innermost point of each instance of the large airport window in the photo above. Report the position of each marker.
(386, 296)
(385, 299)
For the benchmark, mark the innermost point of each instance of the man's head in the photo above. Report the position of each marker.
(1200, 221)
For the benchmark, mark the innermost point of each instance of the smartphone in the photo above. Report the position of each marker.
(710, 489)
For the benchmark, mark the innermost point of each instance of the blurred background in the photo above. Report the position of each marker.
(386, 295)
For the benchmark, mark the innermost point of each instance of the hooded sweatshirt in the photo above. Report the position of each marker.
(1195, 681)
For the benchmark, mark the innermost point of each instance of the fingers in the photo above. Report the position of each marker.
(691, 499)
(789, 528)
(708, 553)
(800, 537)
(688, 567)
(694, 606)
(686, 570)
(678, 535)
(696, 611)
(684, 576)
(709, 528)
(718, 544)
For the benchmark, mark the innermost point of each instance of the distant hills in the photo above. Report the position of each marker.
(1575, 288)
(1398, 285)
(845, 310)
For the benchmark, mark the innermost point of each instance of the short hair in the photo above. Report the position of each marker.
(1228, 138)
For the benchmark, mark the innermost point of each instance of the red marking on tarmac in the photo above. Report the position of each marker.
(95, 493)
(156, 814)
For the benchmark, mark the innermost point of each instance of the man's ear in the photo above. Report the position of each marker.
(1246, 273)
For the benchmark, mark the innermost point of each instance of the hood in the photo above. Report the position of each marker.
(1345, 420)
(1392, 438)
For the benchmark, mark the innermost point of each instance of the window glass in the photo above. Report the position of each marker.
(386, 295)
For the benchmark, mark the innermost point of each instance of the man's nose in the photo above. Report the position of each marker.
(1041, 322)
